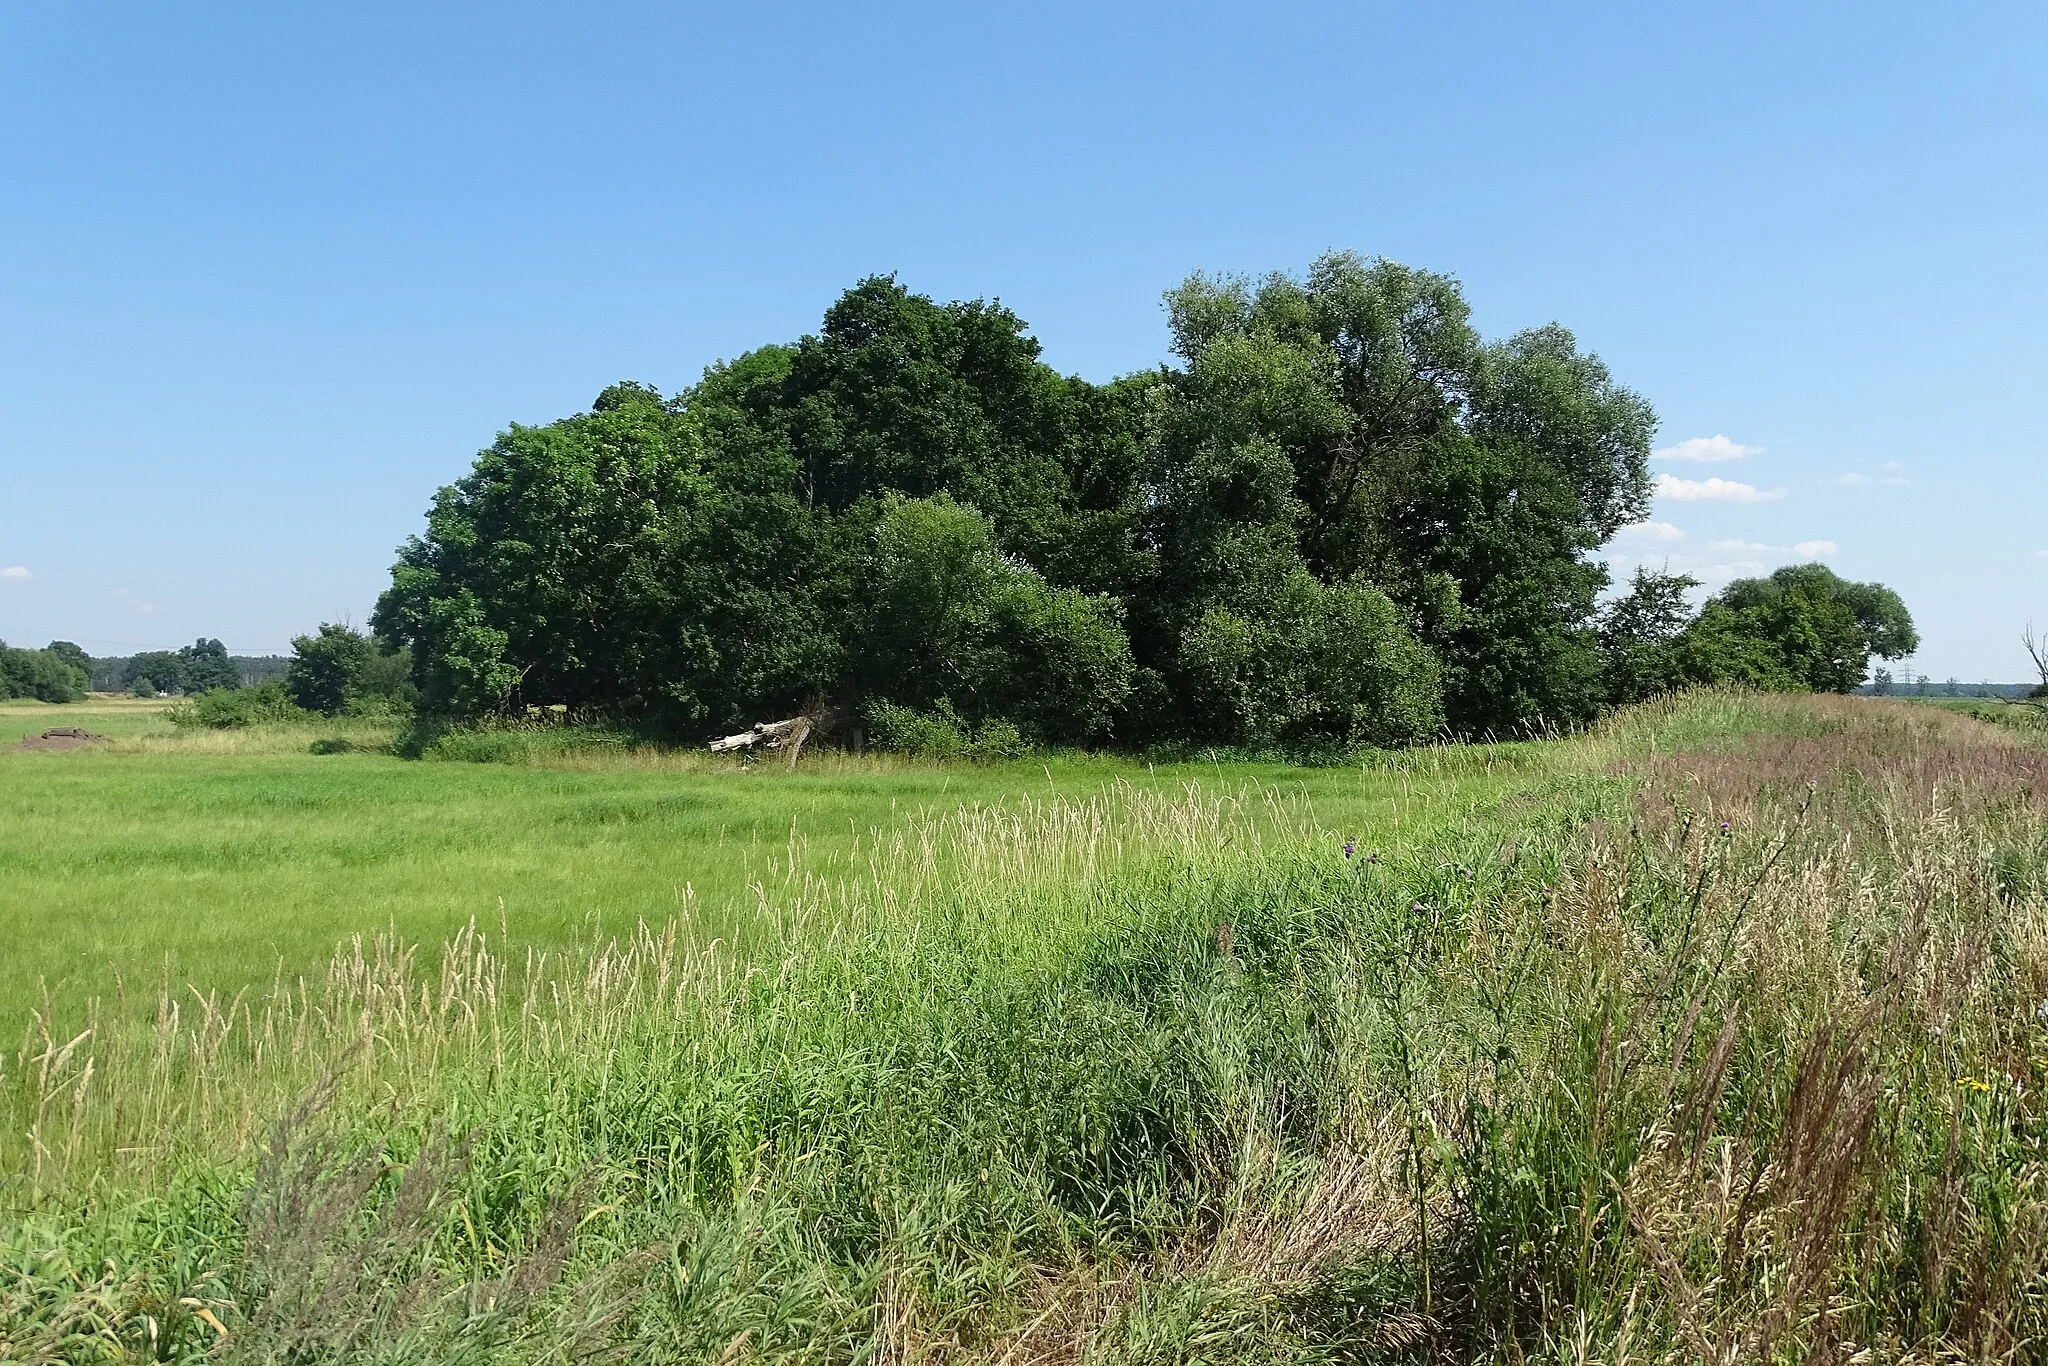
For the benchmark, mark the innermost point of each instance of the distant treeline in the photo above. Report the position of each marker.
(195, 668)
(62, 672)
(1883, 684)
(1340, 517)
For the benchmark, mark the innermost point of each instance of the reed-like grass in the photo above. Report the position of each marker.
(1714, 1035)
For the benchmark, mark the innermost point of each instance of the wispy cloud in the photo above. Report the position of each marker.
(1814, 550)
(1708, 448)
(15, 571)
(133, 602)
(1897, 479)
(2041, 554)
(1649, 531)
(1729, 569)
(1714, 490)
(1747, 548)
(1852, 479)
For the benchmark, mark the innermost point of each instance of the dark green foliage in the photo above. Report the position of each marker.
(153, 672)
(45, 675)
(1344, 520)
(72, 655)
(939, 733)
(608, 562)
(1313, 665)
(341, 669)
(205, 665)
(325, 666)
(944, 618)
(1803, 628)
(237, 708)
(1354, 424)
(1640, 636)
(899, 394)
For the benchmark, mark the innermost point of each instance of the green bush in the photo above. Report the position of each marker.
(941, 734)
(237, 708)
(1308, 665)
(948, 618)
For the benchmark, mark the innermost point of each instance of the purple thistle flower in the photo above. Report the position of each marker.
(1350, 847)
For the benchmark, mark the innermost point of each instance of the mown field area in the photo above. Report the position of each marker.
(1715, 1033)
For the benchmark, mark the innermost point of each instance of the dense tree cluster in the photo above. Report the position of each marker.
(1802, 629)
(56, 674)
(202, 666)
(1341, 517)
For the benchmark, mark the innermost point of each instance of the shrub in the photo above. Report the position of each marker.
(948, 617)
(237, 708)
(1311, 666)
(941, 734)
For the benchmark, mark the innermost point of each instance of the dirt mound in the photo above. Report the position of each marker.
(62, 737)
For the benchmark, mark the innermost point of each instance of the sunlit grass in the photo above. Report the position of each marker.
(1713, 1034)
(212, 857)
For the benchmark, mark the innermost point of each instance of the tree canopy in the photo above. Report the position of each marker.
(51, 675)
(1341, 517)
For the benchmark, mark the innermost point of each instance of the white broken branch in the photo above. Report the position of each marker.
(769, 735)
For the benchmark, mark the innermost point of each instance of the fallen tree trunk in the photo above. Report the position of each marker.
(789, 734)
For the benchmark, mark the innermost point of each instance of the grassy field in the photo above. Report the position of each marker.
(1715, 1034)
(215, 858)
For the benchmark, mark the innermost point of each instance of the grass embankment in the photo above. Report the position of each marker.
(1716, 1035)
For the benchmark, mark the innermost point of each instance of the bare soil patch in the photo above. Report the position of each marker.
(61, 737)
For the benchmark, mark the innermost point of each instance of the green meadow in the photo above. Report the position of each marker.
(1714, 1033)
(217, 858)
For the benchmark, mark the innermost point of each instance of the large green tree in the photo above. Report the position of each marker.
(1804, 627)
(338, 666)
(1353, 422)
(204, 666)
(609, 561)
(153, 672)
(898, 394)
(1643, 637)
(943, 617)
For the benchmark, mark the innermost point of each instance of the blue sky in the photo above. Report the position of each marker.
(269, 275)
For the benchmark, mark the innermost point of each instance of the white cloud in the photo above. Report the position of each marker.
(1708, 448)
(1898, 479)
(1852, 480)
(14, 571)
(1714, 490)
(1731, 569)
(1747, 548)
(1813, 550)
(1650, 531)
(2041, 554)
(1891, 465)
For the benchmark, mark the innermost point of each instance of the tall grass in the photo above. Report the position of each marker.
(1733, 1054)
